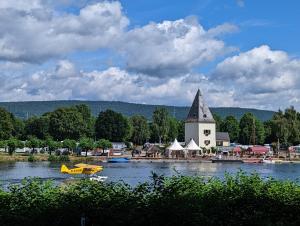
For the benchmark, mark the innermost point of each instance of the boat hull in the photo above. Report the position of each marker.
(227, 161)
(118, 160)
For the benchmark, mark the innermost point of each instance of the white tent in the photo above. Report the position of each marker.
(175, 146)
(192, 146)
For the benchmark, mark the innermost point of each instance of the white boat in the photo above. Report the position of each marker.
(98, 178)
(271, 161)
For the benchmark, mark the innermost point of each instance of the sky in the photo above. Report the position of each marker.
(240, 53)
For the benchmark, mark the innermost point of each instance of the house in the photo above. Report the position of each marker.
(222, 139)
(200, 124)
(118, 146)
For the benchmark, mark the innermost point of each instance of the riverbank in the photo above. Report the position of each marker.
(5, 157)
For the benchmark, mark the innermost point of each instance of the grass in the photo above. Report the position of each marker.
(16, 157)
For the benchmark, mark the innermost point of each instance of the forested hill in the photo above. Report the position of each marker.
(30, 108)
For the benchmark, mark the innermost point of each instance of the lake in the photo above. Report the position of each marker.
(135, 172)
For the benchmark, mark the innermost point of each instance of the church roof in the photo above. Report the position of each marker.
(199, 111)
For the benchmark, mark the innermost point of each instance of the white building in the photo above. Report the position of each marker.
(200, 124)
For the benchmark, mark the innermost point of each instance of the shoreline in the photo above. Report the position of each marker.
(4, 158)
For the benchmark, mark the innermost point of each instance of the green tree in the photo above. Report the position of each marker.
(140, 129)
(13, 144)
(112, 126)
(67, 123)
(69, 144)
(218, 121)
(86, 144)
(37, 126)
(173, 128)
(6, 124)
(181, 132)
(160, 123)
(251, 130)
(19, 128)
(52, 145)
(231, 125)
(103, 144)
(33, 143)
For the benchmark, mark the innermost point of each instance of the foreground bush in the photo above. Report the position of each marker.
(180, 200)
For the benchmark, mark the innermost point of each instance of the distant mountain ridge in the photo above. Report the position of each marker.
(30, 108)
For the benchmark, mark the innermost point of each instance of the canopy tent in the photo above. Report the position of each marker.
(192, 146)
(191, 149)
(175, 147)
(237, 149)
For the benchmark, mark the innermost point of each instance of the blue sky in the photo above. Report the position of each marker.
(241, 53)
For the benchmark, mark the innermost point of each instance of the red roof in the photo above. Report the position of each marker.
(258, 150)
(237, 149)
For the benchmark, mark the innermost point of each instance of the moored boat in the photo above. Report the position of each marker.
(118, 160)
(216, 160)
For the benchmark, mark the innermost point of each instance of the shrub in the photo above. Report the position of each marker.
(31, 158)
(178, 200)
(52, 158)
(63, 158)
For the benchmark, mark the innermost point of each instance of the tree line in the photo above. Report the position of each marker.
(76, 123)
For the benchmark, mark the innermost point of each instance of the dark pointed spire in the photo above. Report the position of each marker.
(199, 111)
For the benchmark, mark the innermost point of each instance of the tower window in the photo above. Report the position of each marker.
(206, 132)
(207, 142)
(204, 116)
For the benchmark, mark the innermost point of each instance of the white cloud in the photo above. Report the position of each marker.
(32, 32)
(260, 77)
(172, 48)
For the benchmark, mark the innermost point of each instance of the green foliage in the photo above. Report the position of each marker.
(173, 128)
(31, 158)
(52, 145)
(231, 125)
(112, 126)
(140, 129)
(33, 143)
(160, 123)
(37, 126)
(251, 130)
(86, 144)
(13, 144)
(103, 144)
(218, 121)
(69, 144)
(234, 200)
(6, 124)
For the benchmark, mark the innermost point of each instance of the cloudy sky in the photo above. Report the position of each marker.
(238, 52)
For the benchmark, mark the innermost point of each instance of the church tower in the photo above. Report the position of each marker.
(200, 124)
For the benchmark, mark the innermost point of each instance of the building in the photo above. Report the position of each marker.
(222, 139)
(200, 124)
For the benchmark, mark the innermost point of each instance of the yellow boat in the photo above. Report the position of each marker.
(81, 168)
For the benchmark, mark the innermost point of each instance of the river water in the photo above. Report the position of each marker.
(135, 172)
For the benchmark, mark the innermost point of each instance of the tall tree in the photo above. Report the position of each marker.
(218, 121)
(231, 125)
(140, 129)
(6, 124)
(37, 126)
(67, 123)
(181, 132)
(173, 128)
(112, 126)
(69, 144)
(251, 130)
(160, 122)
